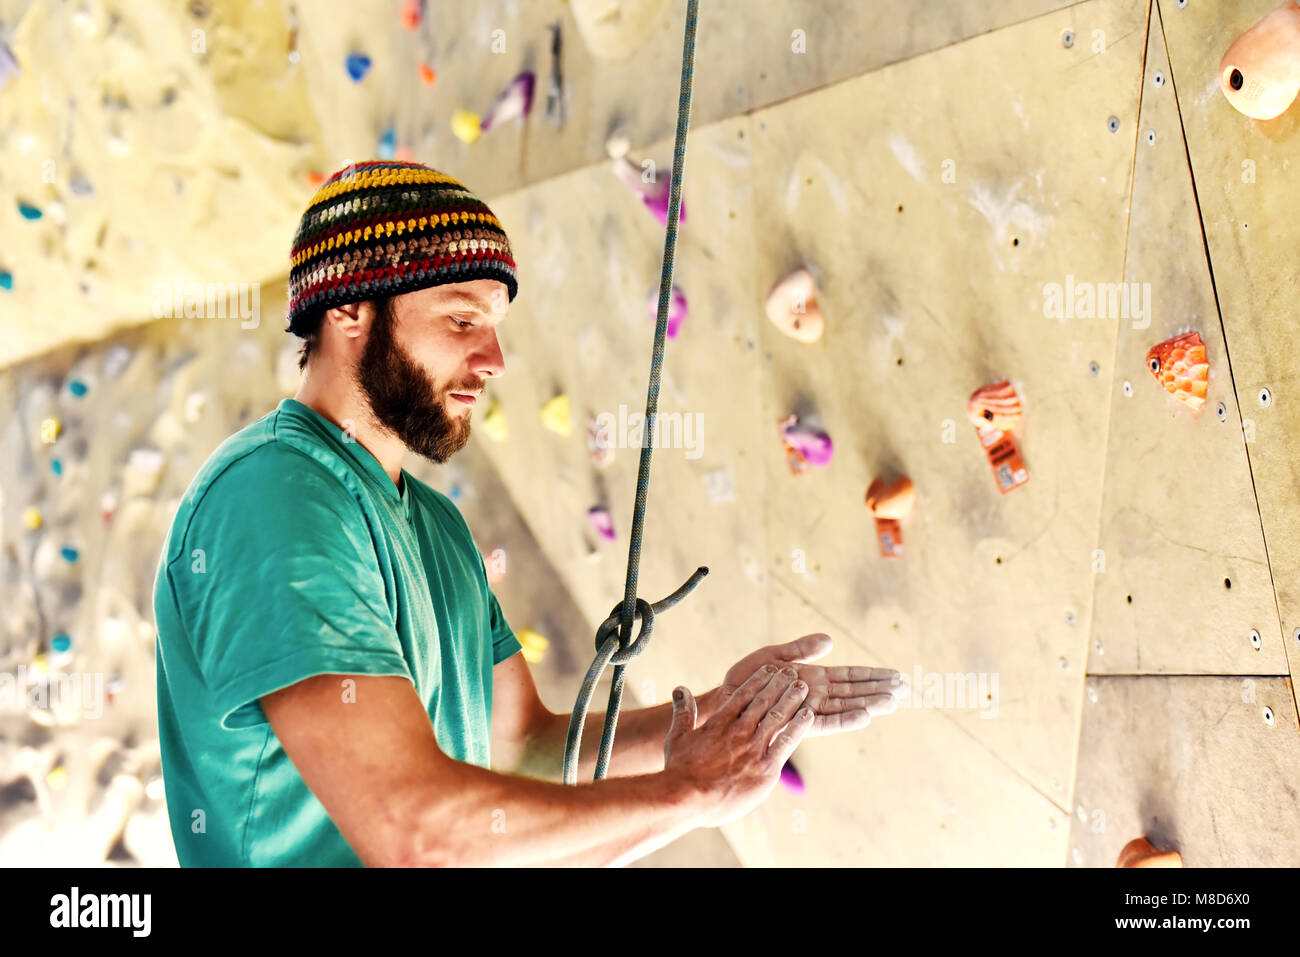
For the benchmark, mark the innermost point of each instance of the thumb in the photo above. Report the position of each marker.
(808, 648)
(684, 713)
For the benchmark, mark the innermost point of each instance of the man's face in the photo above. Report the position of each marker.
(423, 349)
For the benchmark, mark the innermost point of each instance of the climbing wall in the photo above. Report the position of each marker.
(1099, 654)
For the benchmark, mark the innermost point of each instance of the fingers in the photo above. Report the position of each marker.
(809, 647)
(872, 704)
(739, 698)
(685, 713)
(781, 713)
(784, 744)
(839, 673)
(767, 698)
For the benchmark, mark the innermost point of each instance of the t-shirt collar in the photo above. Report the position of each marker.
(357, 453)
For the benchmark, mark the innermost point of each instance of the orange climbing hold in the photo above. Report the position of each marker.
(1260, 73)
(1140, 852)
(427, 74)
(792, 307)
(890, 503)
(996, 406)
(1181, 367)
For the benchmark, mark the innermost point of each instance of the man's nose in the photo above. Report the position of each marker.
(490, 362)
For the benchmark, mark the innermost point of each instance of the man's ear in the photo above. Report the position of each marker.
(346, 319)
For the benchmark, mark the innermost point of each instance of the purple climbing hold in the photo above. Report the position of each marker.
(516, 100)
(676, 309)
(791, 780)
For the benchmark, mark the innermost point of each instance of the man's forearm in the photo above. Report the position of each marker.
(638, 742)
(487, 819)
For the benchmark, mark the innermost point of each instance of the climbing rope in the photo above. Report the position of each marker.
(620, 648)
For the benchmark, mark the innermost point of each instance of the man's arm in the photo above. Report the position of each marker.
(374, 763)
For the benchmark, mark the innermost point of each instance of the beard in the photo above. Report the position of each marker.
(405, 400)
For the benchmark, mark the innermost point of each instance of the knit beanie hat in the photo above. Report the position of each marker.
(383, 228)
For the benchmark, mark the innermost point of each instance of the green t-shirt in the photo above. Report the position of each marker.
(294, 554)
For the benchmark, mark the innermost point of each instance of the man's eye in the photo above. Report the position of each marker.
(461, 324)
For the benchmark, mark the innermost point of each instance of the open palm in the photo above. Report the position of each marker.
(843, 698)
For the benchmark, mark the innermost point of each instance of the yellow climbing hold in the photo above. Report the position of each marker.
(32, 517)
(39, 666)
(494, 422)
(50, 429)
(535, 645)
(466, 125)
(556, 417)
(57, 779)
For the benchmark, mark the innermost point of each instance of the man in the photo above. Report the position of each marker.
(337, 684)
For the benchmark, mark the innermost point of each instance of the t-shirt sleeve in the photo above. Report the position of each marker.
(278, 579)
(504, 642)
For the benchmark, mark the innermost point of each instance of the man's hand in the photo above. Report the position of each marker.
(843, 698)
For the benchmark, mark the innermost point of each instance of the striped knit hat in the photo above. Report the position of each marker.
(383, 228)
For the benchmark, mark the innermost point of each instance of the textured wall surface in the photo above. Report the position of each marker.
(1103, 653)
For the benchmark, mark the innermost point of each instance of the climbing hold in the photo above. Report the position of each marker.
(314, 178)
(555, 86)
(599, 446)
(996, 406)
(804, 446)
(514, 102)
(80, 186)
(32, 519)
(720, 485)
(8, 63)
(113, 686)
(293, 54)
(77, 388)
(466, 126)
(602, 521)
(6, 280)
(56, 466)
(1140, 852)
(387, 143)
(51, 429)
(890, 503)
(534, 645)
(655, 195)
(60, 649)
(69, 553)
(115, 360)
(1181, 367)
(195, 403)
(792, 307)
(556, 417)
(791, 778)
(404, 154)
(108, 506)
(1260, 73)
(358, 64)
(990, 408)
(28, 211)
(676, 309)
(494, 422)
(57, 779)
(411, 14)
(428, 75)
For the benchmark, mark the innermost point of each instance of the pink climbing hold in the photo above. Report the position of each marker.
(676, 309)
(602, 521)
(791, 779)
(804, 446)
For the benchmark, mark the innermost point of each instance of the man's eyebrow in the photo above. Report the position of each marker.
(466, 299)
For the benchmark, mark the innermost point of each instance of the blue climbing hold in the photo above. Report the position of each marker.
(56, 466)
(358, 64)
(388, 144)
(29, 211)
(69, 553)
(61, 643)
(455, 493)
(6, 280)
(77, 388)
